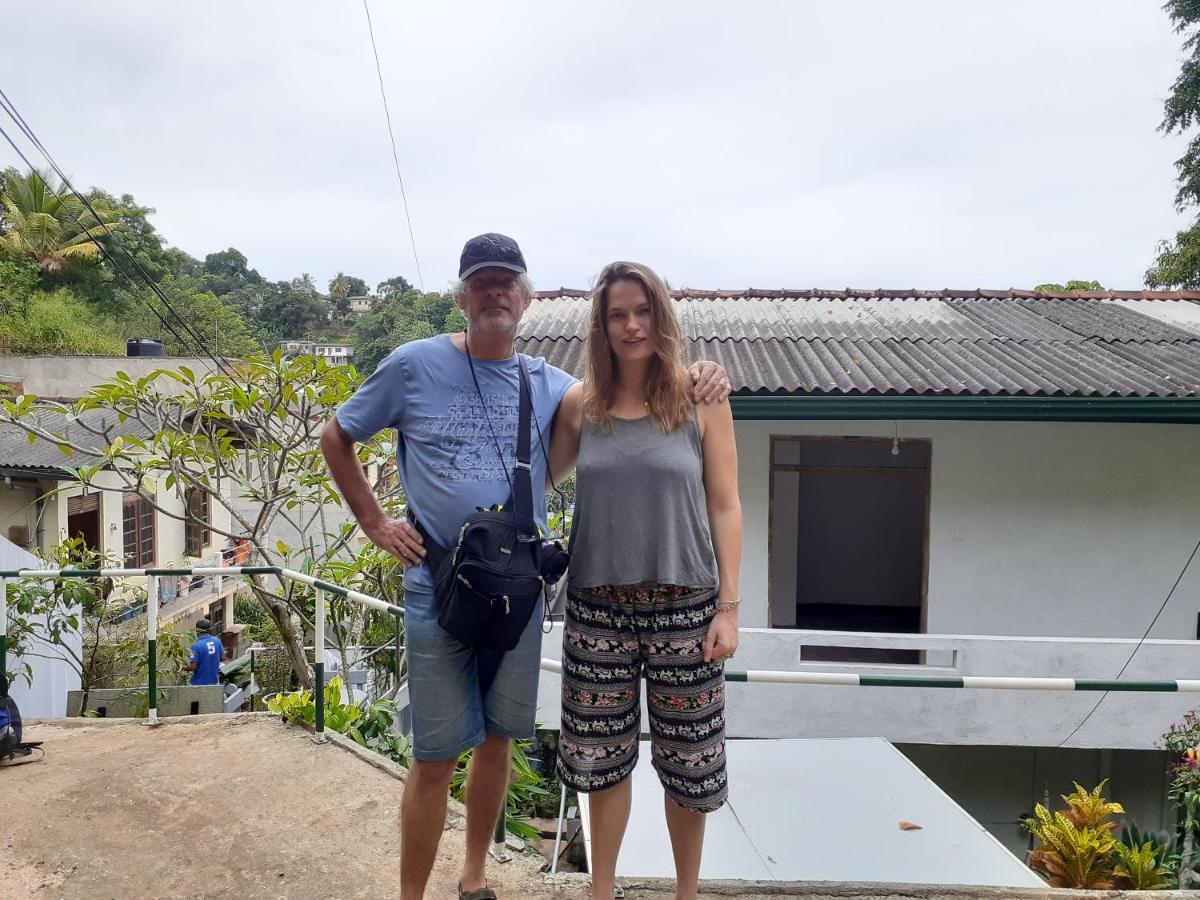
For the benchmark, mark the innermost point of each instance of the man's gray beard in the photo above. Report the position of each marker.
(494, 326)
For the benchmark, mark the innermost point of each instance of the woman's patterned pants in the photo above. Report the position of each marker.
(612, 635)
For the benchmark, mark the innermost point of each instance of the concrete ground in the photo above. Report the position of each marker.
(243, 806)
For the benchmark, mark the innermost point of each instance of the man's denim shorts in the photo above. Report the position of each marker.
(453, 705)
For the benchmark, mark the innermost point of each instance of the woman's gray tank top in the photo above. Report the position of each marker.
(640, 509)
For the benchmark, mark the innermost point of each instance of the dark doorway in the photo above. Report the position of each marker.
(83, 519)
(849, 539)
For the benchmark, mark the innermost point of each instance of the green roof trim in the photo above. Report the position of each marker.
(1177, 410)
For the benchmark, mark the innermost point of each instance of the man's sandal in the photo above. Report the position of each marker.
(483, 893)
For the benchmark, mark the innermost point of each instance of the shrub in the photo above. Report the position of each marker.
(1070, 856)
(1076, 847)
(370, 725)
(18, 281)
(1140, 868)
(59, 323)
(525, 789)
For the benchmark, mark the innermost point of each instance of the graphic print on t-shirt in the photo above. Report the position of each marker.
(461, 442)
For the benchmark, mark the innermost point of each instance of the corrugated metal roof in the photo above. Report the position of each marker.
(1108, 343)
(16, 451)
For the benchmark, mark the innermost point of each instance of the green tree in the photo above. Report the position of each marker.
(216, 320)
(18, 281)
(398, 319)
(1177, 262)
(396, 285)
(138, 237)
(287, 310)
(1071, 286)
(48, 224)
(229, 271)
(343, 285)
(341, 288)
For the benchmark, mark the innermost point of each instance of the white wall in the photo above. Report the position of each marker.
(73, 376)
(18, 507)
(1073, 529)
(911, 715)
(1071, 534)
(51, 677)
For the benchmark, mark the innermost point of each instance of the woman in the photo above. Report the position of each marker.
(657, 475)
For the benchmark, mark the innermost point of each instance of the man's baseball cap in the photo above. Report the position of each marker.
(491, 251)
(203, 626)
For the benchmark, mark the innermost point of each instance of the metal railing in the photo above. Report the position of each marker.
(152, 612)
(843, 679)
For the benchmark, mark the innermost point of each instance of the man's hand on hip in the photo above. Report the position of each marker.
(397, 537)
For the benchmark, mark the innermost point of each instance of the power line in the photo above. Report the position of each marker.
(395, 154)
(1149, 628)
(167, 325)
(10, 109)
(396, 160)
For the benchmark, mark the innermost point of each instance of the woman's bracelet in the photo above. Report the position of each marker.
(731, 604)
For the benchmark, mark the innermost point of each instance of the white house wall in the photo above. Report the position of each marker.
(50, 677)
(169, 530)
(18, 508)
(1071, 529)
(1051, 548)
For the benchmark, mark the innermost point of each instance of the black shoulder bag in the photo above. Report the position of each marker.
(487, 586)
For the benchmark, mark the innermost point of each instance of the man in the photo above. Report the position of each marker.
(456, 419)
(207, 655)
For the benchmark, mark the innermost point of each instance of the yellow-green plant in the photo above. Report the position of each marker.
(1089, 809)
(1140, 868)
(299, 705)
(525, 786)
(1070, 856)
(293, 706)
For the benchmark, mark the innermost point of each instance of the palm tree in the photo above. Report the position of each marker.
(48, 223)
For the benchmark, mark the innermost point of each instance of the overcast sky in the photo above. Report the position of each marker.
(930, 143)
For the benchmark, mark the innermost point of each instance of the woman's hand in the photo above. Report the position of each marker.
(722, 638)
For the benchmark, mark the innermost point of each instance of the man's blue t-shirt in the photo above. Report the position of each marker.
(447, 459)
(206, 654)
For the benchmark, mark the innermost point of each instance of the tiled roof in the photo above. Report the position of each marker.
(1102, 343)
(17, 453)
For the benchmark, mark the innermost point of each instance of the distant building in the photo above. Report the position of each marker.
(334, 354)
(42, 503)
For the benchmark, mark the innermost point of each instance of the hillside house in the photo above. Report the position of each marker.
(959, 483)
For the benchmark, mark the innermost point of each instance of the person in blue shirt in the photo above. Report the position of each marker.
(207, 655)
(456, 423)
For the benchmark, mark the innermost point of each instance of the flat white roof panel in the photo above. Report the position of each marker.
(822, 810)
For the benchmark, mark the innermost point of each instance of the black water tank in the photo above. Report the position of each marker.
(143, 347)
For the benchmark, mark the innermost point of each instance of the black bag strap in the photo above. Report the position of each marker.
(522, 498)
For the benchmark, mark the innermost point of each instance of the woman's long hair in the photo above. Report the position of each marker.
(668, 385)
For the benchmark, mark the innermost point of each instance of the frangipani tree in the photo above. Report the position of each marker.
(247, 437)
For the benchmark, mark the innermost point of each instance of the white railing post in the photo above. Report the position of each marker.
(3, 625)
(319, 666)
(152, 647)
